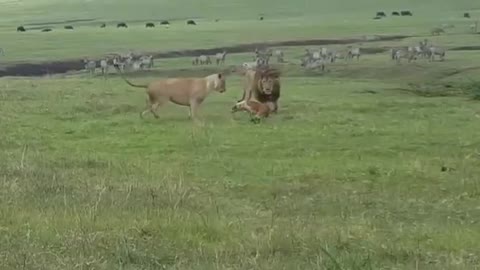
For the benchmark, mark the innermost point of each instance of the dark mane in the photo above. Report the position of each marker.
(267, 72)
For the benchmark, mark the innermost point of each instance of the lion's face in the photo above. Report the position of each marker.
(266, 85)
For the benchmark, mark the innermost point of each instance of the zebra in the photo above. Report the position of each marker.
(279, 55)
(104, 66)
(195, 61)
(147, 61)
(310, 63)
(220, 57)
(403, 53)
(353, 52)
(204, 60)
(433, 50)
(263, 55)
(90, 66)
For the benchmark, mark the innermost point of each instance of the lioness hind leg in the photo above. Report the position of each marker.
(153, 107)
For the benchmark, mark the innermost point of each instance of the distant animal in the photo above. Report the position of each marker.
(47, 30)
(191, 22)
(122, 25)
(90, 66)
(310, 63)
(474, 27)
(353, 52)
(381, 14)
(220, 57)
(189, 92)
(433, 51)
(256, 109)
(393, 51)
(404, 54)
(146, 61)
(262, 85)
(395, 13)
(204, 60)
(149, 25)
(103, 25)
(21, 29)
(195, 61)
(406, 13)
(68, 27)
(104, 66)
(466, 15)
(261, 18)
(164, 23)
(279, 55)
(437, 31)
(263, 57)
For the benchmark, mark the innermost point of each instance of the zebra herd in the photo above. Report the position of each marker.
(312, 59)
(422, 50)
(129, 62)
(206, 59)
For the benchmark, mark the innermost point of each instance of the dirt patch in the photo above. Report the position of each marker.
(39, 69)
(466, 48)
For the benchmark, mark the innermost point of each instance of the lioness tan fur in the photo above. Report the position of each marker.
(182, 91)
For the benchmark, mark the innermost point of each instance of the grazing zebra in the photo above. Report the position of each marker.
(147, 61)
(433, 50)
(204, 60)
(404, 54)
(104, 66)
(353, 52)
(279, 55)
(90, 66)
(195, 61)
(324, 52)
(310, 63)
(264, 56)
(220, 57)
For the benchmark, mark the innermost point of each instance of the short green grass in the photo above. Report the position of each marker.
(370, 165)
(349, 173)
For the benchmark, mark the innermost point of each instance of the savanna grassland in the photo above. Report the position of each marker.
(369, 165)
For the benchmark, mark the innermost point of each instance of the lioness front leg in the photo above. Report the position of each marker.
(194, 104)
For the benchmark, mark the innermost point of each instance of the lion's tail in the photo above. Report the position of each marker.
(130, 83)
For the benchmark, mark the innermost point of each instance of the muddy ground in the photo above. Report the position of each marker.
(58, 67)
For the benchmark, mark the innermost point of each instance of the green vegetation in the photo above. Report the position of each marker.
(370, 165)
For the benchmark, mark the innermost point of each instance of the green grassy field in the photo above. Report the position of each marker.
(369, 165)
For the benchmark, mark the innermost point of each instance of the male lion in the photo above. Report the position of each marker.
(262, 85)
(182, 91)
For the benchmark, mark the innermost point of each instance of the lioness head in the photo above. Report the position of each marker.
(217, 82)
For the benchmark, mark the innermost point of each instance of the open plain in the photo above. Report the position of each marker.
(369, 164)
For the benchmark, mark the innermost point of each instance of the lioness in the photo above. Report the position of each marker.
(256, 109)
(262, 85)
(182, 91)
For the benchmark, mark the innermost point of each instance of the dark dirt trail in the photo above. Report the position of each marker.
(58, 67)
